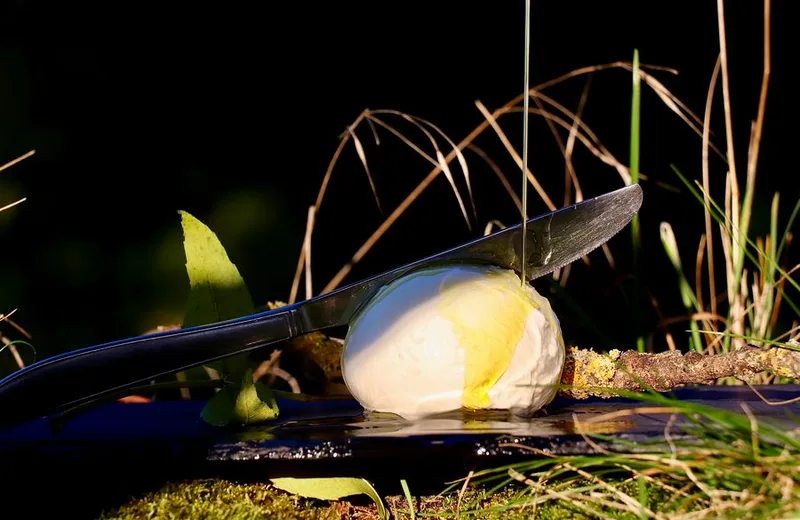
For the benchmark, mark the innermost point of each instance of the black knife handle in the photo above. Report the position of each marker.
(86, 374)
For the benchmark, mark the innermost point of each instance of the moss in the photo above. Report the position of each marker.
(216, 499)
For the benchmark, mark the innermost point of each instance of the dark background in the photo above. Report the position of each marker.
(232, 112)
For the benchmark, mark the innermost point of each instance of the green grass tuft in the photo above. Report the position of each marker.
(634, 171)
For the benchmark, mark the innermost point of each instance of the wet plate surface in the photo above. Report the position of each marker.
(336, 437)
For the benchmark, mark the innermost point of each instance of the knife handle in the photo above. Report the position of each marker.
(89, 373)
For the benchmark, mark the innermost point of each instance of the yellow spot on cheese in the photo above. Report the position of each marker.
(488, 316)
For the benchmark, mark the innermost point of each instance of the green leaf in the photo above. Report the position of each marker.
(409, 499)
(248, 403)
(217, 290)
(255, 403)
(331, 489)
(218, 293)
(218, 411)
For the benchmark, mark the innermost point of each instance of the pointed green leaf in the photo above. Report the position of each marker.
(331, 489)
(217, 290)
(218, 293)
(255, 402)
(218, 411)
(248, 403)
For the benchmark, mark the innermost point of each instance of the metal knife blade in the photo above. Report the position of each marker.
(554, 240)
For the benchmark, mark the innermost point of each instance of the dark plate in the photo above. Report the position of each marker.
(119, 448)
(339, 435)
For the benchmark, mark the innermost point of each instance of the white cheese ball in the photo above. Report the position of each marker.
(454, 337)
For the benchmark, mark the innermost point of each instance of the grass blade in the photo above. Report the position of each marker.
(409, 499)
(634, 172)
(687, 294)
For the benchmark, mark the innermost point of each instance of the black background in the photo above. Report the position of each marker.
(232, 112)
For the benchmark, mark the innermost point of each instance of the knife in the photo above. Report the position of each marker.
(553, 240)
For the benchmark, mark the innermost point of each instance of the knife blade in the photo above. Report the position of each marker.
(553, 240)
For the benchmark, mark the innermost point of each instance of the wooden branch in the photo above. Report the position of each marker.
(586, 370)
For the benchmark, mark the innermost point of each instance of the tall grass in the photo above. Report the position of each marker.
(731, 465)
(752, 268)
(755, 271)
(7, 343)
(711, 463)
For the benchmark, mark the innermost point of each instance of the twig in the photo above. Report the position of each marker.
(497, 171)
(706, 186)
(19, 159)
(772, 403)
(345, 138)
(286, 376)
(12, 204)
(588, 373)
(514, 155)
(265, 366)
(509, 107)
(14, 352)
(307, 251)
(462, 491)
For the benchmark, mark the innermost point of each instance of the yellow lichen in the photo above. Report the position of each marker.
(774, 358)
(600, 368)
(586, 369)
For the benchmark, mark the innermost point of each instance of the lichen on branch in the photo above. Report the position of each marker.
(587, 372)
